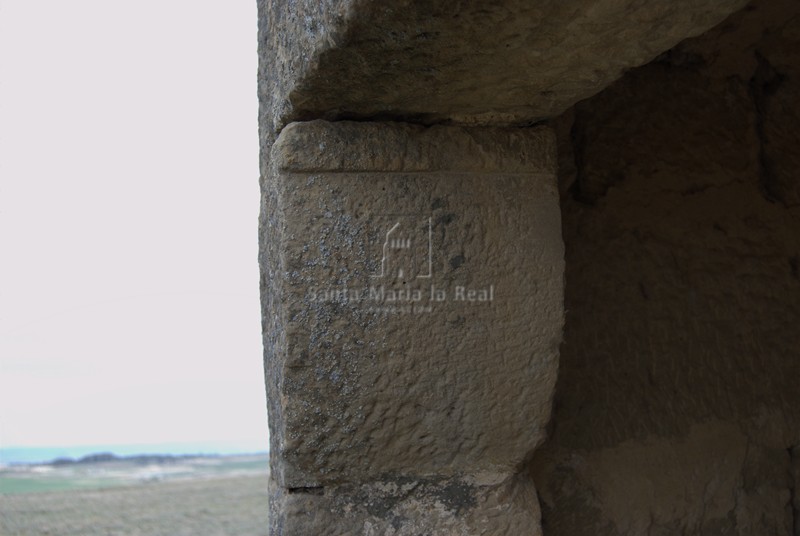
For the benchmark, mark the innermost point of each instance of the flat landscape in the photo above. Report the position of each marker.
(192, 496)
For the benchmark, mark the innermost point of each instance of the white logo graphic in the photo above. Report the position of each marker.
(408, 250)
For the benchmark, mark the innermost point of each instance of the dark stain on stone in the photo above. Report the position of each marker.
(794, 267)
(577, 136)
(643, 290)
(445, 219)
(437, 203)
(763, 85)
(582, 189)
(459, 321)
(442, 222)
(397, 522)
(694, 190)
(456, 261)
(679, 57)
(381, 507)
(457, 496)
(312, 490)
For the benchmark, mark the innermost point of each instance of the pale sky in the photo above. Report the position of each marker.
(128, 223)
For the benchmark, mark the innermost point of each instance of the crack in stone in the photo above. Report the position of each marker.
(311, 490)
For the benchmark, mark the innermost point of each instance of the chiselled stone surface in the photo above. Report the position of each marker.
(499, 62)
(414, 310)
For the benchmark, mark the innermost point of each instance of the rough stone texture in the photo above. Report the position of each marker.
(490, 506)
(387, 407)
(677, 406)
(499, 62)
(677, 402)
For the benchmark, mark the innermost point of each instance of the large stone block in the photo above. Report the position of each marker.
(414, 310)
(500, 62)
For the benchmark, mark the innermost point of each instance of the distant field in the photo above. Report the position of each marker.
(38, 478)
(197, 497)
(211, 507)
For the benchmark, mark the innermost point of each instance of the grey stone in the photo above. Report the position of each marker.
(372, 376)
(677, 394)
(503, 62)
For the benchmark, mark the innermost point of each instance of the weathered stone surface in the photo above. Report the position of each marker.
(376, 379)
(677, 406)
(678, 400)
(502, 62)
(488, 505)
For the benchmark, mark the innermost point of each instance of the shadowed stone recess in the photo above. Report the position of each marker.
(677, 405)
(414, 313)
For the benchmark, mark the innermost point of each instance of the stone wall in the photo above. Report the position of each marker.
(677, 396)
(677, 407)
